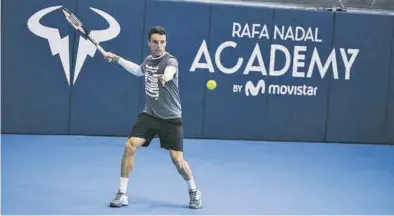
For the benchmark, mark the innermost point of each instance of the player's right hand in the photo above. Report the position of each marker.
(111, 57)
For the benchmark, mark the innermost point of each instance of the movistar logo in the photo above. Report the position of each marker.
(60, 46)
(251, 89)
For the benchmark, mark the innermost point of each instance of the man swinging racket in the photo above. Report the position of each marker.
(161, 115)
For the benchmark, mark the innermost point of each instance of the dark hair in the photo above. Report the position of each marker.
(157, 30)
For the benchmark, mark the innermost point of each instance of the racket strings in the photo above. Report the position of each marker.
(74, 21)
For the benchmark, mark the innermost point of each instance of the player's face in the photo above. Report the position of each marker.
(157, 44)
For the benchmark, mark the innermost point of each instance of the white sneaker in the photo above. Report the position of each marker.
(120, 200)
(195, 199)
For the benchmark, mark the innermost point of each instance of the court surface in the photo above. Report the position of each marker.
(80, 175)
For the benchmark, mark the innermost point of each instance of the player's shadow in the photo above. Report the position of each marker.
(151, 204)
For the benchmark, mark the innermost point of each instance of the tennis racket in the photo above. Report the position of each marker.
(77, 24)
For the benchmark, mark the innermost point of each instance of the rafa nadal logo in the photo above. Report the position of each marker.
(60, 46)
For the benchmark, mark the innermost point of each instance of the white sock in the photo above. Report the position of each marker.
(123, 184)
(191, 184)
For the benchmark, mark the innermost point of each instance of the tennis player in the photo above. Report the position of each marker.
(161, 116)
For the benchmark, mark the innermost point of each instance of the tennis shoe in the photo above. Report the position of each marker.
(195, 199)
(119, 200)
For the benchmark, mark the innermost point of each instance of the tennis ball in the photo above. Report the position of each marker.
(211, 84)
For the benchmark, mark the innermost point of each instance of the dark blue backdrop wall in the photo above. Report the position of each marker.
(282, 74)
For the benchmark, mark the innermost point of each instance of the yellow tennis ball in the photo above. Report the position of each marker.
(211, 84)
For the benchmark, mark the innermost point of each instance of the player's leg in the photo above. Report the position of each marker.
(127, 162)
(183, 168)
(185, 171)
(143, 132)
(171, 138)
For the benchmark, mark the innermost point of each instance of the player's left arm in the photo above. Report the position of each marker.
(170, 70)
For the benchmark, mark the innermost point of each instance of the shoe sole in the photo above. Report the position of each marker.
(117, 206)
(196, 207)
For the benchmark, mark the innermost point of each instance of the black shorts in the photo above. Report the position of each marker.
(169, 131)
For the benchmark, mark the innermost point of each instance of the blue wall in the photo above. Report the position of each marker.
(390, 101)
(330, 78)
(357, 107)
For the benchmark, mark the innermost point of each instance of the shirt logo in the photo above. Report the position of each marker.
(152, 81)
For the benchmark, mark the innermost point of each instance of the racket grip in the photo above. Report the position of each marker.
(101, 49)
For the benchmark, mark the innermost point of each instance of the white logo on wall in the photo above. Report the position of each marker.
(60, 46)
(260, 88)
(251, 89)
(294, 63)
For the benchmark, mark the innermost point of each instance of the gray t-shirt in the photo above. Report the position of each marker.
(161, 101)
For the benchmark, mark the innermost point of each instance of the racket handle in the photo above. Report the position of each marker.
(101, 49)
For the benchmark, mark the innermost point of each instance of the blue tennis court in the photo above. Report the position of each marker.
(80, 175)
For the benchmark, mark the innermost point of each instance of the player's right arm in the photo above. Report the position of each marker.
(130, 66)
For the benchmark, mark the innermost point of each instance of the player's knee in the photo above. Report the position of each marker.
(130, 146)
(176, 155)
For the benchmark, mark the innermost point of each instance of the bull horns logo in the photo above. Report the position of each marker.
(60, 45)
